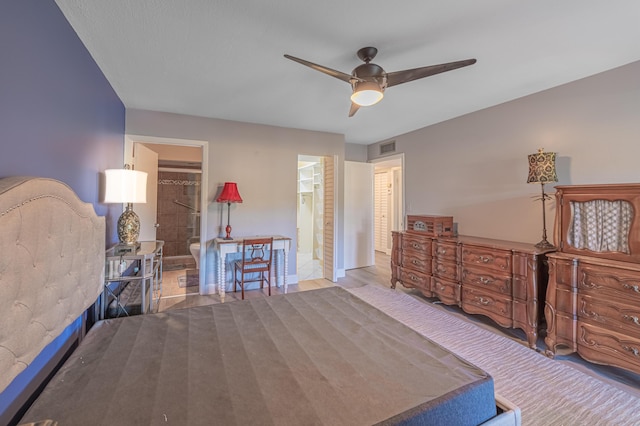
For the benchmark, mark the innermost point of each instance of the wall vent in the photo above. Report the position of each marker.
(387, 147)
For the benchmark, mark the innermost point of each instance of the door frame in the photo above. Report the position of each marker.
(329, 266)
(396, 160)
(131, 139)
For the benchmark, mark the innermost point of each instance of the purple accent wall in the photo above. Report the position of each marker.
(59, 116)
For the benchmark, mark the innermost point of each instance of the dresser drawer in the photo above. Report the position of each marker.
(411, 278)
(418, 261)
(445, 250)
(615, 316)
(609, 282)
(495, 306)
(447, 291)
(445, 269)
(497, 260)
(486, 279)
(416, 243)
(561, 269)
(608, 347)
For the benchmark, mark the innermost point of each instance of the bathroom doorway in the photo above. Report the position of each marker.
(181, 207)
(310, 216)
(178, 216)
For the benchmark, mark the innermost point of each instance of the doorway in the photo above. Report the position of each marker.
(388, 200)
(310, 218)
(178, 217)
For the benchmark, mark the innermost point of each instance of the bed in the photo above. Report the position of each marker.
(320, 357)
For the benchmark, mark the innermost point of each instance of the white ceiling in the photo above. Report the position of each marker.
(224, 58)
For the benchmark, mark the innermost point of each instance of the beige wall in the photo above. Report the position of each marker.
(355, 152)
(262, 160)
(474, 167)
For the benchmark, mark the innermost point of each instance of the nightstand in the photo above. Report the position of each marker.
(133, 281)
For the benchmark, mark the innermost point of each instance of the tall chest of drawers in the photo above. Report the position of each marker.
(593, 298)
(503, 280)
(593, 308)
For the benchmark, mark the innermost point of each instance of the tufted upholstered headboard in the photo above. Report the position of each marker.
(51, 266)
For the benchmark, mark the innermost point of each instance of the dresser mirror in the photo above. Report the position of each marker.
(599, 221)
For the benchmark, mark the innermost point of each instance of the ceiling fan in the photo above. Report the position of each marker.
(369, 80)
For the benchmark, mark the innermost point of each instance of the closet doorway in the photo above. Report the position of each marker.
(388, 200)
(315, 210)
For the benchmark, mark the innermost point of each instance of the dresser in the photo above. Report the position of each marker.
(593, 298)
(411, 261)
(503, 280)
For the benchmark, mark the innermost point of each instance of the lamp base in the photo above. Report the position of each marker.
(128, 226)
(544, 244)
(228, 230)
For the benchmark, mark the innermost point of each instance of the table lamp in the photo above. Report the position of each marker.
(542, 169)
(229, 195)
(126, 186)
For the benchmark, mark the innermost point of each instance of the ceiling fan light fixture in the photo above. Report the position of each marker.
(366, 93)
(369, 80)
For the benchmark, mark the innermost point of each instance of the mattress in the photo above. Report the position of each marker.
(320, 357)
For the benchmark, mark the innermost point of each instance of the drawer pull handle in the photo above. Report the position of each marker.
(634, 319)
(635, 288)
(634, 351)
(442, 251)
(484, 280)
(485, 259)
(483, 301)
(414, 278)
(416, 246)
(415, 262)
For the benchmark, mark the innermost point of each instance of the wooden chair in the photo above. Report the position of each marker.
(256, 259)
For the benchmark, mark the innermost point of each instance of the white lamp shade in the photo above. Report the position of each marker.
(125, 186)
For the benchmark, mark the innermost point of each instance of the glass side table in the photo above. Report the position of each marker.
(133, 281)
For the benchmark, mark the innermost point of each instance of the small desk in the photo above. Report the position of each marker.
(225, 247)
(147, 270)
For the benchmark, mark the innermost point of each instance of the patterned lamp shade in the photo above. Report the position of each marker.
(542, 167)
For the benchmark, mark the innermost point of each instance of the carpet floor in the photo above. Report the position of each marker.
(546, 391)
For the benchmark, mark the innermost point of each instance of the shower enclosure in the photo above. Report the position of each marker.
(178, 214)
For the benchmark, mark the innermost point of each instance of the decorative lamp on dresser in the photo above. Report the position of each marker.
(503, 280)
(593, 297)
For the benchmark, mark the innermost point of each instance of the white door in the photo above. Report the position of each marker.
(381, 211)
(146, 160)
(358, 215)
(329, 231)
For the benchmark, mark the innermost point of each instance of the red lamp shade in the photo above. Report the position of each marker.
(229, 194)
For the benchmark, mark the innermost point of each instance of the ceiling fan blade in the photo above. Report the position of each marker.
(333, 73)
(354, 108)
(399, 77)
